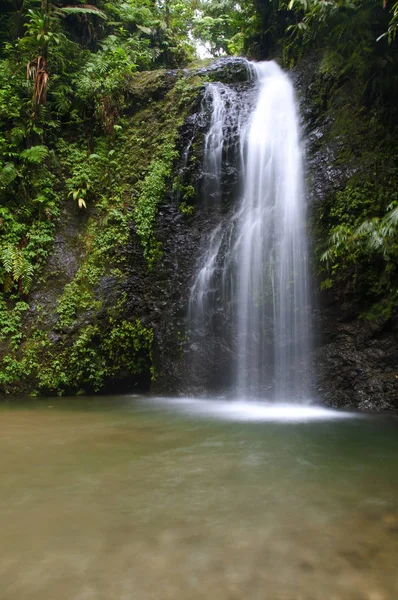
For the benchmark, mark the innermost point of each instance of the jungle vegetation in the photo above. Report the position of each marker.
(67, 76)
(64, 65)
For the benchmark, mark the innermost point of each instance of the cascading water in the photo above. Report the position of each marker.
(224, 102)
(255, 266)
(220, 150)
(271, 248)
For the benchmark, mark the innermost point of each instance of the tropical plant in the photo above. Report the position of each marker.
(376, 235)
(393, 25)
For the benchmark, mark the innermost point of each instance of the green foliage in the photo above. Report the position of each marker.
(104, 237)
(35, 154)
(85, 365)
(352, 98)
(364, 250)
(157, 177)
(65, 136)
(377, 235)
(152, 191)
(80, 61)
(317, 18)
(75, 299)
(8, 174)
(184, 193)
(227, 27)
(10, 322)
(81, 10)
(63, 143)
(349, 36)
(107, 73)
(186, 209)
(12, 370)
(16, 268)
(23, 250)
(128, 347)
(393, 25)
(185, 89)
(216, 31)
(353, 204)
(95, 357)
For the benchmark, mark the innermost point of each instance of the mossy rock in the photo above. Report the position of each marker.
(151, 85)
(227, 70)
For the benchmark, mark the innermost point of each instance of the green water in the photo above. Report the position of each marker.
(129, 498)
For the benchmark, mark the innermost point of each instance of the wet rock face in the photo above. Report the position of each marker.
(355, 360)
(185, 363)
(356, 363)
(127, 291)
(227, 70)
(160, 296)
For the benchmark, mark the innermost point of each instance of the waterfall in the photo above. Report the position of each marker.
(224, 119)
(254, 271)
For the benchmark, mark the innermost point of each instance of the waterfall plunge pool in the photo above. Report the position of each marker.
(154, 498)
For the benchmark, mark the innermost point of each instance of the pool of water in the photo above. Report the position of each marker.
(123, 498)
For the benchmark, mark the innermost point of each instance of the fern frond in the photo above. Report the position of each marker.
(392, 217)
(367, 227)
(6, 257)
(146, 30)
(17, 264)
(35, 154)
(7, 174)
(84, 9)
(26, 275)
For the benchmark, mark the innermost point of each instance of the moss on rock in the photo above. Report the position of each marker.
(75, 333)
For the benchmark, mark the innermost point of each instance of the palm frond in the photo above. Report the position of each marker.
(83, 9)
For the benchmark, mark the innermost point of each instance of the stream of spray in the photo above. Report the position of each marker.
(257, 261)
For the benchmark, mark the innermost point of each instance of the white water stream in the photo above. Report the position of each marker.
(256, 261)
(224, 116)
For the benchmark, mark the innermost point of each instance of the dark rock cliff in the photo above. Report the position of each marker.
(103, 318)
(356, 343)
(355, 359)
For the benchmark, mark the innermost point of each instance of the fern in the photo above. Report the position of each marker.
(6, 257)
(373, 236)
(7, 174)
(35, 154)
(26, 273)
(17, 267)
(62, 101)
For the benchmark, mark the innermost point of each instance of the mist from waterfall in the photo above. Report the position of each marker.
(254, 270)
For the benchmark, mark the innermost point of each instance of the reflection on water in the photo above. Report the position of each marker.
(239, 410)
(123, 498)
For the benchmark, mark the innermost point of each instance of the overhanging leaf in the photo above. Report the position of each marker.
(84, 9)
(146, 30)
